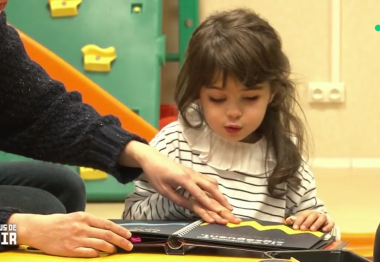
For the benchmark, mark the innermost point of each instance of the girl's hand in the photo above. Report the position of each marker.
(223, 217)
(311, 220)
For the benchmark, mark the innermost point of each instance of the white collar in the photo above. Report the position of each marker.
(222, 154)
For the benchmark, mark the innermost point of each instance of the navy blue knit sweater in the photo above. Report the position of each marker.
(41, 120)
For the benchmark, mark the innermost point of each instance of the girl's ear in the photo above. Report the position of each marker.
(271, 97)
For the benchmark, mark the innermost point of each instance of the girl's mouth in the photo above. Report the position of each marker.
(232, 129)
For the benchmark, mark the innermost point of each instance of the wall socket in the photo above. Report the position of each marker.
(326, 93)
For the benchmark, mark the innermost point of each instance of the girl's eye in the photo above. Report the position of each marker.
(253, 98)
(216, 100)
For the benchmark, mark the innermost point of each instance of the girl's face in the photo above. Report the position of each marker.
(235, 112)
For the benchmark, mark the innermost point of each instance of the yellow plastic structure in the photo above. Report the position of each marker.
(64, 8)
(136, 9)
(98, 59)
(91, 174)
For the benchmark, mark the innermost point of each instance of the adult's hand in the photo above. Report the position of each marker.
(70, 235)
(165, 176)
(223, 217)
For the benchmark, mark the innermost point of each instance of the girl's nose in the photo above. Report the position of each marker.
(234, 113)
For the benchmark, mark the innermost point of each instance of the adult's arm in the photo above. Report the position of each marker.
(41, 120)
(145, 203)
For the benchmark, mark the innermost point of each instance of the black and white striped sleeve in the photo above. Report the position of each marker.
(145, 203)
(305, 197)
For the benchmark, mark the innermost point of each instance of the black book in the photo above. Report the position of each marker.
(249, 235)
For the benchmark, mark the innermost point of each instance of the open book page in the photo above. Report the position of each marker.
(255, 233)
(153, 227)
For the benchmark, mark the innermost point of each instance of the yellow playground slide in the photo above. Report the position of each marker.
(92, 94)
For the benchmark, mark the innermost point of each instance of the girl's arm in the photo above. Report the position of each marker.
(145, 203)
(305, 197)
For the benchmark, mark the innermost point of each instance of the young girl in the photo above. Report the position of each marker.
(237, 124)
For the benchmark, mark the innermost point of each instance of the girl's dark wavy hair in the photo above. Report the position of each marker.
(239, 43)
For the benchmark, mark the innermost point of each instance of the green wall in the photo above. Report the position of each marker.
(135, 75)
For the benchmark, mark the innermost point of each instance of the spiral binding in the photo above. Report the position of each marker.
(188, 228)
(175, 243)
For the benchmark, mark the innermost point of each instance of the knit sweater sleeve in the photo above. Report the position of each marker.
(39, 119)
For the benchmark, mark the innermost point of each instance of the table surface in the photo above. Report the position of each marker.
(216, 255)
(17, 256)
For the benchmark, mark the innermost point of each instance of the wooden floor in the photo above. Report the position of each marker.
(351, 196)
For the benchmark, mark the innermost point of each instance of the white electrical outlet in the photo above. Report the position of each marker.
(326, 93)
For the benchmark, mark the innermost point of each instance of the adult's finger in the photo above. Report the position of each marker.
(225, 214)
(213, 190)
(211, 179)
(85, 252)
(105, 224)
(203, 214)
(99, 244)
(175, 197)
(110, 237)
(231, 218)
(218, 219)
(201, 196)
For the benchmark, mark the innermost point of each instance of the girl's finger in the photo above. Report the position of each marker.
(322, 219)
(290, 220)
(300, 218)
(310, 220)
(329, 226)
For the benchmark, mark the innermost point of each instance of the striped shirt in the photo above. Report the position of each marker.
(245, 189)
